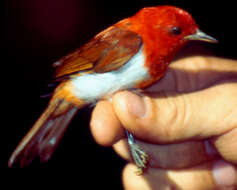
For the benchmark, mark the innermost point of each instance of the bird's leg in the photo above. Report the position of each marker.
(139, 156)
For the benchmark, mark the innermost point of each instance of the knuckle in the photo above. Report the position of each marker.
(173, 116)
(173, 120)
(189, 79)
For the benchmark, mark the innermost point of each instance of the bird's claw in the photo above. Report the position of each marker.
(140, 158)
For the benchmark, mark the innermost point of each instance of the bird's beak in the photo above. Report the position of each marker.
(201, 36)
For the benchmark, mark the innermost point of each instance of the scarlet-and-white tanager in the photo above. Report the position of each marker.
(132, 54)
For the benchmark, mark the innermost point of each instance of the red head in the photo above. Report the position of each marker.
(164, 30)
(163, 26)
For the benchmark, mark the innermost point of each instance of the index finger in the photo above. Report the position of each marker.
(195, 73)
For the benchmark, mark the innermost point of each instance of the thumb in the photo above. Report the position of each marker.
(173, 117)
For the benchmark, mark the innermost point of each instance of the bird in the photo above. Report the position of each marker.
(132, 54)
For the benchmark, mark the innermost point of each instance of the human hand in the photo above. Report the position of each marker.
(187, 123)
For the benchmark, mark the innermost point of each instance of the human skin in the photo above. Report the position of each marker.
(187, 123)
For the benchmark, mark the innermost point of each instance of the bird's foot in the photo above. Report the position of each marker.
(139, 156)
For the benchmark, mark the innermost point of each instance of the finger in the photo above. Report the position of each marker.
(195, 73)
(213, 175)
(172, 156)
(173, 117)
(105, 126)
(226, 145)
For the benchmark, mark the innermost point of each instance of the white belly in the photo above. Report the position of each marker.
(90, 87)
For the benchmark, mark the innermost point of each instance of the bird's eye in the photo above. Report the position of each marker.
(176, 30)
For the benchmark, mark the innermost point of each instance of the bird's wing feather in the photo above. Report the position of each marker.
(107, 51)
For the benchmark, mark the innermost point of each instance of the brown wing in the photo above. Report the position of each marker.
(107, 51)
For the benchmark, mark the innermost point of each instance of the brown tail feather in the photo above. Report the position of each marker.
(45, 135)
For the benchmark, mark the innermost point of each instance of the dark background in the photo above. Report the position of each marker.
(35, 33)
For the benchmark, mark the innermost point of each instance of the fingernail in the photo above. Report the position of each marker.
(136, 105)
(224, 174)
